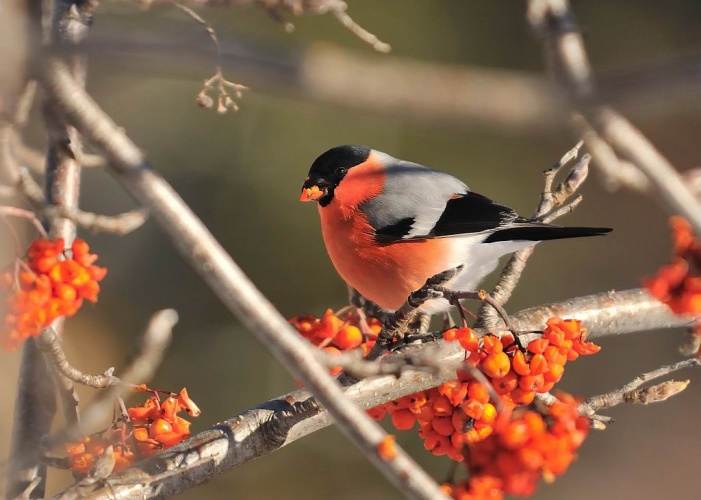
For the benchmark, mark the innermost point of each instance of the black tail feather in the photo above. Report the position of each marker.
(542, 232)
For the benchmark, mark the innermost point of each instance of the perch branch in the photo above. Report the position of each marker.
(279, 422)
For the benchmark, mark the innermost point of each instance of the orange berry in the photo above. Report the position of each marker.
(506, 384)
(491, 344)
(538, 364)
(443, 425)
(187, 404)
(403, 419)
(159, 426)
(478, 392)
(521, 397)
(554, 356)
(515, 435)
(496, 365)
(378, 413)
(181, 426)
(442, 406)
(535, 423)
(554, 373)
(538, 346)
(468, 339)
(450, 334)
(572, 355)
(489, 414)
(387, 449)
(349, 337)
(507, 340)
(169, 438)
(472, 408)
(532, 383)
(520, 364)
(455, 391)
(586, 348)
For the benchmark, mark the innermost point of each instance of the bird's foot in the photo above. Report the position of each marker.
(397, 324)
(481, 295)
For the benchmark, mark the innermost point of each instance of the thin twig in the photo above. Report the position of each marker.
(511, 274)
(119, 224)
(629, 393)
(51, 345)
(24, 214)
(140, 370)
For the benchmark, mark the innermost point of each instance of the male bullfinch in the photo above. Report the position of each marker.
(390, 224)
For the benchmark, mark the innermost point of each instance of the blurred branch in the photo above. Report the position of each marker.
(277, 8)
(555, 22)
(221, 273)
(35, 401)
(69, 26)
(279, 422)
(501, 99)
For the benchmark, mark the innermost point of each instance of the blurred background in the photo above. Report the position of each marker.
(462, 90)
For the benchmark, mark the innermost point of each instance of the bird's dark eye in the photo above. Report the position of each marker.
(340, 171)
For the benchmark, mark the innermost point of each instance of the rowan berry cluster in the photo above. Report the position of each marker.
(336, 333)
(459, 412)
(505, 451)
(51, 282)
(679, 284)
(529, 445)
(144, 431)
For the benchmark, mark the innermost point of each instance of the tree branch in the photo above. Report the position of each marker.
(281, 421)
(555, 21)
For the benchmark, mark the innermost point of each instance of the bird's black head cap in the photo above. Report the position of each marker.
(331, 167)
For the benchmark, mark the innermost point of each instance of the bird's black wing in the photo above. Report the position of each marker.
(463, 214)
(473, 213)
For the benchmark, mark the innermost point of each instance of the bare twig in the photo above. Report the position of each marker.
(341, 14)
(630, 393)
(24, 214)
(217, 82)
(616, 171)
(146, 360)
(549, 199)
(225, 278)
(119, 224)
(50, 344)
(279, 422)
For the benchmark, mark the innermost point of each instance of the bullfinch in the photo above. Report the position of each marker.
(389, 225)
